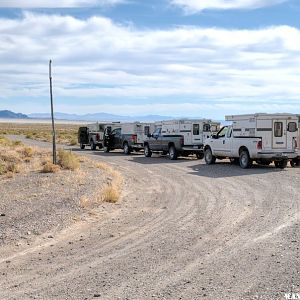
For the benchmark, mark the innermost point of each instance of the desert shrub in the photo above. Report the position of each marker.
(3, 168)
(67, 160)
(29, 135)
(73, 142)
(17, 143)
(111, 193)
(26, 152)
(4, 141)
(13, 167)
(50, 168)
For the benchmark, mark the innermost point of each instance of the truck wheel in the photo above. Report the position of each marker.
(93, 145)
(82, 146)
(106, 149)
(126, 149)
(209, 158)
(293, 163)
(281, 164)
(172, 153)
(245, 161)
(147, 151)
(200, 155)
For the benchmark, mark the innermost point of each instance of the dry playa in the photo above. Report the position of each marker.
(182, 230)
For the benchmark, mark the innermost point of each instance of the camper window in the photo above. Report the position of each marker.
(278, 129)
(292, 127)
(147, 130)
(196, 130)
(206, 127)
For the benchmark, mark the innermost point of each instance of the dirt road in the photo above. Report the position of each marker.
(183, 230)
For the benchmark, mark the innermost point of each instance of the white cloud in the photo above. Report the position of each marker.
(57, 3)
(193, 6)
(96, 58)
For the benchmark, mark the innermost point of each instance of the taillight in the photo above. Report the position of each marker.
(97, 137)
(134, 138)
(295, 143)
(259, 145)
(182, 140)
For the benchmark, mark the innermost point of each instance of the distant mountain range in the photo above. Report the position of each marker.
(7, 114)
(100, 117)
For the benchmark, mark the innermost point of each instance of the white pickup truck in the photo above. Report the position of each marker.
(264, 138)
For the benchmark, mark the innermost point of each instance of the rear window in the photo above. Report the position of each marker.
(196, 129)
(292, 127)
(278, 129)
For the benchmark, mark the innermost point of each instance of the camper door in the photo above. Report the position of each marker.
(279, 134)
(196, 134)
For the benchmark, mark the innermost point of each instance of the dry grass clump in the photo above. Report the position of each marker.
(112, 190)
(67, 160)
(50, 168)
(111, 194)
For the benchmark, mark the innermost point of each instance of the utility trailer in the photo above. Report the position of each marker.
(194, 133)
(93, 134)
(260, 137)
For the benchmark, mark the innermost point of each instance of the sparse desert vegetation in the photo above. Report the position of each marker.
(65, 133)
(67, 160)
(112, 190)
(14, 156)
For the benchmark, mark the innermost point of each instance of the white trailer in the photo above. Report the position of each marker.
(261, 137)
(194, 132)
(138, 129)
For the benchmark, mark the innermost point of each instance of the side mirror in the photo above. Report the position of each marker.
(149, 135)
(215, 136)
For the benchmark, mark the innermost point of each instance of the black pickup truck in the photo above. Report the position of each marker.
(169, 144)
(116, 140)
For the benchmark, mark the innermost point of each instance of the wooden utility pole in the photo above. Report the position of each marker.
(52, 114)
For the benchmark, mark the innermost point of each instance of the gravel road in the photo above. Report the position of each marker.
(183, 230)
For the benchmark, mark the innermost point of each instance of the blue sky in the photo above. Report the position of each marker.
(191, 58)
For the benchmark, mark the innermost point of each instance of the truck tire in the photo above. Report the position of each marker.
(82, 146)
(93, 145)
(282, 164)
(208, 156)
(293, 163)
(245, 160)
(172, 153)
(106, 149)
(200, 155)
(126, 148)
(147, 151)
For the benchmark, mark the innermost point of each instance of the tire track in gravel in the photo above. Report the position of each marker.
(183, 230)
